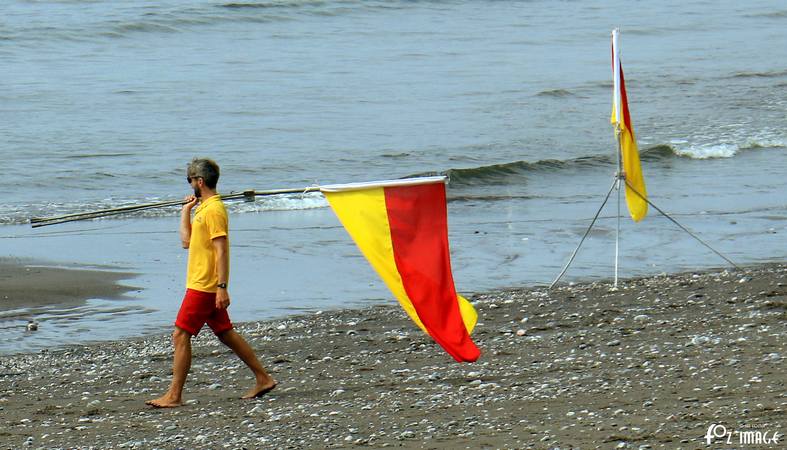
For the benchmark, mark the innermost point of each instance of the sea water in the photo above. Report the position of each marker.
(104, 102)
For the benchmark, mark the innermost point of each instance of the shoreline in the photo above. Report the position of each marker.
(651, 365)
(31, 284)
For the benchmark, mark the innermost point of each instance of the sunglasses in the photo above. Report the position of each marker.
(188, 179)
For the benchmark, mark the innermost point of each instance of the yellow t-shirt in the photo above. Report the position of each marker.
(210, 222)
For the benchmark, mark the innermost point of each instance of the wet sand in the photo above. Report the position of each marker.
(29, 285)
(650, 365)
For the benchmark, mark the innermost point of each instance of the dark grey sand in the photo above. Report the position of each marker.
(27, 285)
(651, 365)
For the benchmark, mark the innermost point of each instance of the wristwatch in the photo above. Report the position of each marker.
(222, 285)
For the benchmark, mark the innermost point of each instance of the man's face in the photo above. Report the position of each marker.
(195, 184)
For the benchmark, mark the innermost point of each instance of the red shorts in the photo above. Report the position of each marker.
(199, 308)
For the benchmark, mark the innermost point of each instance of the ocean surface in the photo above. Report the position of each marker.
(104, 102)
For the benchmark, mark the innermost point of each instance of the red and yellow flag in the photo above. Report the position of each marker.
(638, 206)
(401, 228)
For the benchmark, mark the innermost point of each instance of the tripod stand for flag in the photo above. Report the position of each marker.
(629, 171)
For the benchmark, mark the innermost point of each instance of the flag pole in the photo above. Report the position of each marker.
(249, 195)
(618, 177)
(673, 220)
(632, 181)
(581, 241)
(616, 96)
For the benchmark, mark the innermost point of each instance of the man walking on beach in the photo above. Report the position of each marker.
(207, 298)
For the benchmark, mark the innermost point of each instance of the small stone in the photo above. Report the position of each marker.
(256, 410)
(614, 343)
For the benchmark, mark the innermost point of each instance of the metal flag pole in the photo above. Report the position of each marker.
(621, 180)
(249, 195)
(618, 177)
(673, 220)
(616, 98)
(592, 222)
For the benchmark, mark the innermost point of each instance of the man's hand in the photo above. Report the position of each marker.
(185, 220)
(189, 202)
(222, 299)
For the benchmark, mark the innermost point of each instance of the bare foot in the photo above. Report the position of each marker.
(260, 389)
(165, 401)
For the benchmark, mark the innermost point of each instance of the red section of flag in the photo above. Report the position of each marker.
(624, 101)
(419, 232)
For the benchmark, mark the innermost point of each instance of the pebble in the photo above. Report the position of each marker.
(370, 378)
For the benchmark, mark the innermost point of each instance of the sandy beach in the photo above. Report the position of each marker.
(651, 365)
(27, 285)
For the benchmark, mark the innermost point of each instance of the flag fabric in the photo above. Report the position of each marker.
(401, 228)
(637, 205)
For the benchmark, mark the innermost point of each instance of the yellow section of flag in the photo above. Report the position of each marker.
(365, 217)
(363, 213)
(636, 193)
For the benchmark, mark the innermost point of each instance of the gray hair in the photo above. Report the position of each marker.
(207, 169)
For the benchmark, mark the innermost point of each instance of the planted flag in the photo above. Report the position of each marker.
(637, 205)
(401, 228)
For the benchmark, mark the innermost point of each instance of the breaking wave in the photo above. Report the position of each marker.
(725, 150)
(461, 182)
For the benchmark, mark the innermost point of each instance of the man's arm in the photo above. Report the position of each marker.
(221, 247)
(185, 220)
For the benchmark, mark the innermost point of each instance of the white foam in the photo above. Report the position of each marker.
(766, 142)
(311, 200)
(706, 151)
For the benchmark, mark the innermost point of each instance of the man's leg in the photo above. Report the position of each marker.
(265, 383)
(181, 364)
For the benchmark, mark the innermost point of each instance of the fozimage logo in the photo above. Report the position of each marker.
(719, 434)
